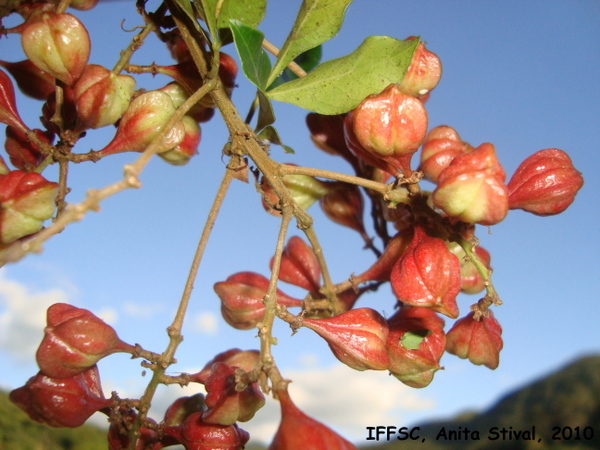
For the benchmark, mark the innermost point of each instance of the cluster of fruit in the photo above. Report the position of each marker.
(431, 257)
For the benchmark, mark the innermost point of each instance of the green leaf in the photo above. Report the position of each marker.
(266, 116)
(270, 134)
(186, 6)
(411, 340)
(219, 13)
(339, 85)
(255, 62)
(317, 22)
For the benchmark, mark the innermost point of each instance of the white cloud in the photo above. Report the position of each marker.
(23, 316)
(205, 323)
(145, 311)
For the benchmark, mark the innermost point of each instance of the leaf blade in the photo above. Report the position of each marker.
(255, 62)
(317, 22)
(339, 85)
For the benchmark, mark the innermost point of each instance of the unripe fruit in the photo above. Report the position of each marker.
(415, 344)
(441, 145)
(179, 95)
(27, 199)
(101, 97)
(181, 408)
(31, 80)
(8, 104)
(195, 434)
(424, 72)
(142, 122)
(75, 339)
(188, 147)
(357, 337)
(478, 340)
(471, 281)
(428, 275)
(545, 183)
(389, 126)
(299, 431)
(299, 265)
(24, 153)
(304, 189)
(242, 296)
(226, 404)
(471, 188)
(64, 402)
(58, 44)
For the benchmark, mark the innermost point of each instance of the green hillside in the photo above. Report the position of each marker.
(564, 408)
(18, 432)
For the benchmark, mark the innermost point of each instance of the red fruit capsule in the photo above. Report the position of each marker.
(415, 345)
(428, 275)
(478, 340)
(299, 431)
(545, 183)
(389, 126)
(424, 72)
(299, 265)
(74, 340)
(357, 337)
(471, 189)
(195, 434)
(64, 402)
(8, 104)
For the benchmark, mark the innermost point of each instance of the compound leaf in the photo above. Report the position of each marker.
(339, 85)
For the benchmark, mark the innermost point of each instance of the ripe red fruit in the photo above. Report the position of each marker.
(242, 296)
(64, 402)
(415, 344)
(8, 104)
(357, 337)
(224, 402)
(23, 153)
(299, 431)
(441, 145)
(27, 199)
(327, 133)
(299, 265)
(244, 359)
(428, 275)
(344, 205)
(471, 188)
(57, 43)
(478, 340)
(382, 268)
(74, 340)
(388, 126)
(31, 80)
(545, 183)
(424, 72)
(195, 434)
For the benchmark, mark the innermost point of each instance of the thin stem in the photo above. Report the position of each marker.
(265, 328)
(174, 330)
(275, 52)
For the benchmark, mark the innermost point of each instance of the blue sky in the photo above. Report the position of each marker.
(522, 75)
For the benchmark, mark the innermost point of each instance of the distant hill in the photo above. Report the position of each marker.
(565, 404)
(564, 408)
